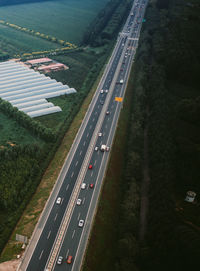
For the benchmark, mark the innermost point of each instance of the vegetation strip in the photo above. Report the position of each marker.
(40, 35)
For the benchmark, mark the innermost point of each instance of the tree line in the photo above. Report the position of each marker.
(107, 23)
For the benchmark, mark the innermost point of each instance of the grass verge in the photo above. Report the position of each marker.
(102, 248)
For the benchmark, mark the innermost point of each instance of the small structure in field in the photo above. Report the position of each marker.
(190, 196)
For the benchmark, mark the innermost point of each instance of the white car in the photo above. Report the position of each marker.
(101, 91)
(58, 201)
(100, 134)
(60, 259)
(81, 223)
(83, 186)
(79, 201)
(96, 148)
(106, 90)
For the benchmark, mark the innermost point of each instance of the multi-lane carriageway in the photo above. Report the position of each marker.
(57, 232)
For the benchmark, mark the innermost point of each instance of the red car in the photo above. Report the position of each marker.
(91, 185)
(69, 259)
(90, 167)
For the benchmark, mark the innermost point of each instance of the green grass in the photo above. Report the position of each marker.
(64, 19)
(10, 131)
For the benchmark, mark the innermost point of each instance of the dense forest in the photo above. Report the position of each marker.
(164, 137)
(107, 24)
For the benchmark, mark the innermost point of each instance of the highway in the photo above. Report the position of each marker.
(57, 232)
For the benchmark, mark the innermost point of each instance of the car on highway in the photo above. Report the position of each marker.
(100, 134)
(83, 186)
(101, 102)
(58, 201)
(60, 259)
(91, 185)
(106, 90)
(90, 166)
(96, 148)
(69, 259)
(107, 112)
(81, 223)
(79, 201)
(101, 91)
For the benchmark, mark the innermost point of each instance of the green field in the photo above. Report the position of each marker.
(64, 19)
(18, 41)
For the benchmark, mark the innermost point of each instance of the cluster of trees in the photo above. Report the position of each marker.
(116, 20)
(19, 170)
(107, 23)
(24, 120)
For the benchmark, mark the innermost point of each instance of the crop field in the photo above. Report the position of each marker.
(64, 19)
(11, 132)
(20, 41)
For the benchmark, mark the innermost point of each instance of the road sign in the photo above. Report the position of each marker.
(118, 99)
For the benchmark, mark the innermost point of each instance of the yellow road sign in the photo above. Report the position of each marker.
(118, 99)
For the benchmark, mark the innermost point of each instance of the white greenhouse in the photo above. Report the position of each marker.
(28, 90)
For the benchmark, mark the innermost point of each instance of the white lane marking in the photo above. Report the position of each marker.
(87, 134)
(106, 126)
(95, 162)
(41, 254)
(108, 118)
(91, 173)
(55, 217)
(90, 126)
(67, 187)
(72, 174)
(76, 163)
(67, 253)
(79, 216)
(95, 113)
(83, 200)
(80, 152)
(73, 234)
(98, 106)
(93, 119)
(84, 143)
(100, 142)
(48, 234)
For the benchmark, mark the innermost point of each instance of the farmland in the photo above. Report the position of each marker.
(67, 18)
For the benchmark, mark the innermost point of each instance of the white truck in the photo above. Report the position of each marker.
(104, 148)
